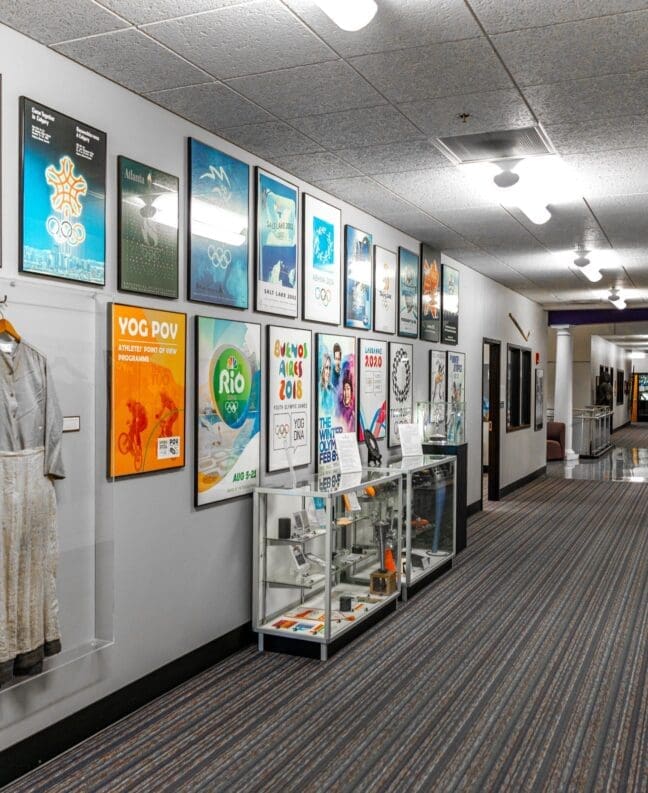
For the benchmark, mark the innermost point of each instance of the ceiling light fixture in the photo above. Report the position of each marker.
(350, 15)
(589, 269)
(615, 298)
(520, 195)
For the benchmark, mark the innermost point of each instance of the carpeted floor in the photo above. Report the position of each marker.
(634, 436)
(524, 669)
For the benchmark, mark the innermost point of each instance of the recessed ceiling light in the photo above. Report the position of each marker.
(350, 15)
(615, 298)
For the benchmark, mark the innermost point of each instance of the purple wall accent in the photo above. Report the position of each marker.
(596, 316)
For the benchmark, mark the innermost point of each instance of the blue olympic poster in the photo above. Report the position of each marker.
(277, 207)
(336, 393)
(322, 296)
(63, 196)
(219, 196)
(408, 293)
(358, 279)
(228, 409)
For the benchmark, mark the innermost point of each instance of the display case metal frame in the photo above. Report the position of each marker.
(408, 466)
(330, 488)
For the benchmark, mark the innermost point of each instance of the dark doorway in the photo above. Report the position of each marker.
(491, 379)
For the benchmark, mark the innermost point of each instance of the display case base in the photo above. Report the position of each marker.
(424, 580)
(284, 644)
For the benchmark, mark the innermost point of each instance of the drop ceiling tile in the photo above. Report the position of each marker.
(246, 39)
(316, 167)
(606, 45)
(611, 173)
(213, 106)
(425, 229)
(58, 20)
(482, 262)
(302, 90)
(142, 11)
(489, 111)
(487, 226)
(132, 59)
(572, 101)
(599, 134)
(625, 220)
(497, 16)
(398, 24)
(354, 128)
(407, 155)
(458, 67)
(364, 193)
(271, 139)
(438, 189)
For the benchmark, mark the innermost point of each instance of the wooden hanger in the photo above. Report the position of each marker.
(5, 325)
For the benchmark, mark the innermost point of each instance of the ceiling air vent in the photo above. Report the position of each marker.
(499, 145)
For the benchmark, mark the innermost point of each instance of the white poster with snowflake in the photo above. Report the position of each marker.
(401, 384)
(62, 195)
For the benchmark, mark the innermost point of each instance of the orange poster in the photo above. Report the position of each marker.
(147, 404)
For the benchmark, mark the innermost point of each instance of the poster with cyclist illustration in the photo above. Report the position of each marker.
(290, 356)
(228, 409)
(322, 295)
(147, 390)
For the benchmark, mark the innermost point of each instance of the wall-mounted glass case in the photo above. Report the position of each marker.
(442, 422)
(326, 554)
(428, 526)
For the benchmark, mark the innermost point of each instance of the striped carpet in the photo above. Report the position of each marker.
(524, 669)
(634, 436)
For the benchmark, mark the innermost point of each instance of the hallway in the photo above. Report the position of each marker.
(523, 669)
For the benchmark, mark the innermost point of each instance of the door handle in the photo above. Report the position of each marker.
(490, 426)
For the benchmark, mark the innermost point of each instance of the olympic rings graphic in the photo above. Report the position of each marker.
(221, 258)
(64, 231)
(282, 430)
(231, 407)
(323, 295)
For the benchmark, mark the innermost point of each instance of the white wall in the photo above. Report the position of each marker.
(183, 577)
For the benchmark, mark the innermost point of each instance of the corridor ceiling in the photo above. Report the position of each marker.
(359, 114)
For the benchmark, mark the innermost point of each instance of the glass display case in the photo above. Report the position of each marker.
(442, 422)
(326, 554)
(428, 526)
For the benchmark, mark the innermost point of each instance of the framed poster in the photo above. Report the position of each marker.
(438, 380)
(450, 305)
(276, 221)
(372, 393)
(358, 278)
(322, 291)
(147, 223)
(228, 409)
(401, 388)
(62, 196)
(456, 377)
(384, 290)
(336, 393)
(538, 420)
(289, 396)
(147, 390)
(430, 294)
(219, 208)
(408, 293)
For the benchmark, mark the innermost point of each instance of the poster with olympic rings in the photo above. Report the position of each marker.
(401, 388)
(336, 394)
(372, 394)
(322, 300)
(290, 355)
(147, 222)
(277, 207)
(219, 207)
(228, 409)
(408, 293)
(62, 196)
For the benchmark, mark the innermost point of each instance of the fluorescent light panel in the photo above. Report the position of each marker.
(349, 15)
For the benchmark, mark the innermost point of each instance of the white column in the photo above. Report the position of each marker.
(563, 407)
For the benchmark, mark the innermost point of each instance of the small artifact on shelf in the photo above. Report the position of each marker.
(382, 582)
(344, 521)
(346, 603)
(374, 457)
